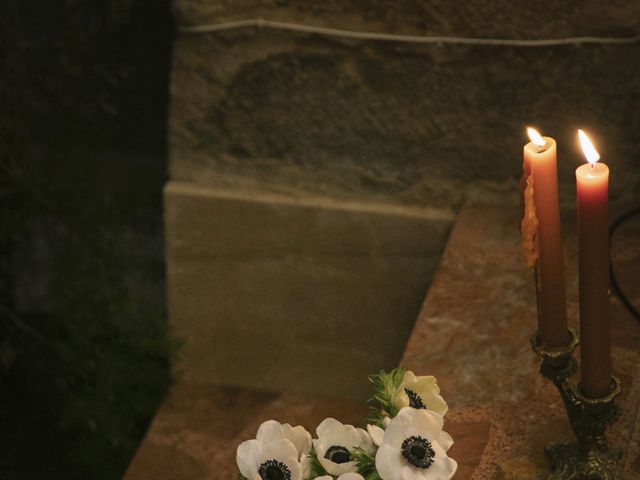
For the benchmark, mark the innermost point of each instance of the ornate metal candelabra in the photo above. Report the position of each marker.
(591, 458)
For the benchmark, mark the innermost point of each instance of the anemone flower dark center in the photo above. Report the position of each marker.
(338, 454)
(418, 451)
(274, 470)
(414, 399)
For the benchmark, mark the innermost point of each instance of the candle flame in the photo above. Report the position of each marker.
(589, 150)
(535, 137)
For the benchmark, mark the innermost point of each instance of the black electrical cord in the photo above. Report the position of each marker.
(614, 282)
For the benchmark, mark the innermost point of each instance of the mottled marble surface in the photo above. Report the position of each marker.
(472, 333)
(195, 433)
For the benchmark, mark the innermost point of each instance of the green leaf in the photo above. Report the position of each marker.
(385, 387)
(366, 463)
(317, 470)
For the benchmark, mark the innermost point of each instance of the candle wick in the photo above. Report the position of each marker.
(542, 148)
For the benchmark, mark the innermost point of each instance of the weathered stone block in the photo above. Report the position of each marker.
(303, 294)
(412, 124)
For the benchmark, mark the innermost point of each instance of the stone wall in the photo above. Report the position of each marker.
(398, 122)
(322, 120)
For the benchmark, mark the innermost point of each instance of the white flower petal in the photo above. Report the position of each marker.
(337, 468)
(395, 432)
(344, 435)
(351, 476)
(400, 399)
(272, 430)
(324, 477)
(425, 383)
(299, 436)
(269, 431)
(326, 464)
(445, 440)
(364, 442)
(347, 435)
(433, 401)
(319, 447)
(409, 378)
(280, 448)
(294, 468)
(376, 433)
(305, 464)
(409, 472)
(389, 463)
(443, 468)
(247, 458)
(328, 425)
(423, 421)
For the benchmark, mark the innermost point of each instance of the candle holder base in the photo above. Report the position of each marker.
(591, 458)
(570, 462)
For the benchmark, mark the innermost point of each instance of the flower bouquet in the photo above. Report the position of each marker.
(403, 440)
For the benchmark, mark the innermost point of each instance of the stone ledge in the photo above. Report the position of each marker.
(268, 290)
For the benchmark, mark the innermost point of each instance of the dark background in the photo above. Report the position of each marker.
(83, 350)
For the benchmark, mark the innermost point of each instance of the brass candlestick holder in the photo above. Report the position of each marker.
(591, 458)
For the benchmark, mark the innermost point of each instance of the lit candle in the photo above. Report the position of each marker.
(592, 185)
(541, 172)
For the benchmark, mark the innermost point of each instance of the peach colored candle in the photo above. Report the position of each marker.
(540, 158)
(592, 186)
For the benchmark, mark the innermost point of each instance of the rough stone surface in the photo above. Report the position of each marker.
(294, 294)
(402, 123)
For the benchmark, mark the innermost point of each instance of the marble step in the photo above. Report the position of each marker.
(198, 428)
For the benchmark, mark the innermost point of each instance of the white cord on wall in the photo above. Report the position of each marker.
(335, 32)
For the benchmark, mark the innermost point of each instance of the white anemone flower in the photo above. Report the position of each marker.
(272, 430)
(420, 393)
(410, 449)
(336, 443)
(377, 435)
(274, 460)
(346, 476)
